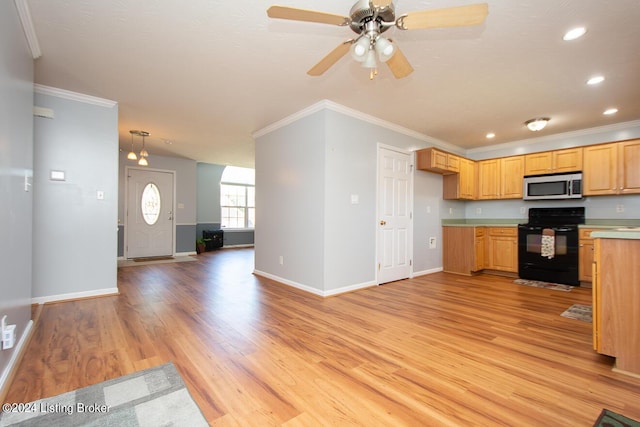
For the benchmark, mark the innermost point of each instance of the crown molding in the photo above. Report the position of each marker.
(559, 137)
(29, 29)
(325, 104)
(73, 96)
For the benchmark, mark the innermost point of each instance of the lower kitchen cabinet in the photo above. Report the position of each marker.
(502, 249)
(616, 302)
(459, 249)
(585, 254)
(466, 250)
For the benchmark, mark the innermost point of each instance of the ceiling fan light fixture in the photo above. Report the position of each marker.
(370, 60)
(360, 48)
(537, 124)
(384, 48)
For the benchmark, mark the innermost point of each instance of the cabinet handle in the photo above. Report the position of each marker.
(383, 222)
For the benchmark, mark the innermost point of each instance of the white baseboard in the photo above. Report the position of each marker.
(75, 295)
(425, 272)
(315, 291)
(14, 361)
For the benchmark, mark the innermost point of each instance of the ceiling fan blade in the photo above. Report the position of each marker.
(399, 65)
(284, 12)
(473, 14)
(328, 61)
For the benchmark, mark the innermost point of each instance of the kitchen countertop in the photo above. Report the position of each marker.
(618, 233)
(626, 225)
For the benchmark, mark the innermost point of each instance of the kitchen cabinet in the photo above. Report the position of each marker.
(585, 254)
(629, 163)
(557, 161)
(462, 185)
(612, 168)
(616, 298)
(502, 249)
(500, 178)
(438, 161)
(460, 249)
(480, 248)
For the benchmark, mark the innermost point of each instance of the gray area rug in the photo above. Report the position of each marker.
(578, 312)
(152, 397)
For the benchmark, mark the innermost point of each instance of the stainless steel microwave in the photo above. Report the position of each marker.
(553, 187)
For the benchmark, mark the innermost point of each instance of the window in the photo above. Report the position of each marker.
(150, 204)
(238, 198)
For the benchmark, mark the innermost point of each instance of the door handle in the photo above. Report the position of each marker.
(383, 222)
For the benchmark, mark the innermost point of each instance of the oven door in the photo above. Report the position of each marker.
(548, 253)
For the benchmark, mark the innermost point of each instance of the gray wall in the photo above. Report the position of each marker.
(16, 153)
(306, 172)
(75, 233)
(186, 206)
(208, 210)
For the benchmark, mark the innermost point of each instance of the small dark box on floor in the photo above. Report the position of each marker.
(212, 239)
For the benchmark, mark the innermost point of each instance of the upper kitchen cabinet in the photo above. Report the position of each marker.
(500, 178)
(438, 161)
(462, 185)
(558, 161)
(612, 168)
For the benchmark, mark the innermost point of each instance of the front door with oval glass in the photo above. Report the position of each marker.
(150, 217)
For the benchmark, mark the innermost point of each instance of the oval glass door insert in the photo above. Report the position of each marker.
(150, 203)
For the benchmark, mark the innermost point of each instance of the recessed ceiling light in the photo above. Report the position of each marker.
(610, 111)
(595, 80)
(491, 135)
(574, 33)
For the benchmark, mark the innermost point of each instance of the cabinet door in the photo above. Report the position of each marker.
(489, 179)
(629, 178)
(511, 174)
(480, 264)
(569, 160)
(600, 169)
(467, 179)
(538, 163)
(585, 255)
(503, 253)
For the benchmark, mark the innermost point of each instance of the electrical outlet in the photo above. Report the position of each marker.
(522, 209)
(432, 242)
(478, 211)
(619, 208)
(281, 260)
(8, 334)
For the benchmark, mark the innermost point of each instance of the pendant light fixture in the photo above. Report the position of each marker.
(143, 152)
(132, 155)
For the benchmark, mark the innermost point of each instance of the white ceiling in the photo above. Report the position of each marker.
(206, 74)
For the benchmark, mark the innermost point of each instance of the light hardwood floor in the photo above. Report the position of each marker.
(435, 350)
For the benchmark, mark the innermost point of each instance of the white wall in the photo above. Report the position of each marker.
(75, 233)
(16, 154)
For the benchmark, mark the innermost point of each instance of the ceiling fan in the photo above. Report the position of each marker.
(369, 19)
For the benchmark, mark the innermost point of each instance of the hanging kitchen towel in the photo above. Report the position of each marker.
(548, 243)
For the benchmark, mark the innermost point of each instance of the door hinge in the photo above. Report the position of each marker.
(410, 262)
(378, 266)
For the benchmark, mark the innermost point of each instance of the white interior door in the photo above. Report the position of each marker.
(150, 216)
(394, 215)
